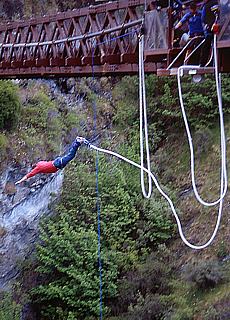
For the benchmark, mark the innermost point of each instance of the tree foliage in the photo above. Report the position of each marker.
(42, 123)
(9, 309)
(164, 113)
(9, 105)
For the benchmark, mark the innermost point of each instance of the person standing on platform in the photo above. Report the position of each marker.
(193, 18)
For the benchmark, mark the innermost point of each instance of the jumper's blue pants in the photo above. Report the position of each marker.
(61, 162)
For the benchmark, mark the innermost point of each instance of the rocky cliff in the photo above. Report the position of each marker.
(20, 212)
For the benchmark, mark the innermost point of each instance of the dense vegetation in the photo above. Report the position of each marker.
(9, 105)
(143, 277)
(9, 309)
(18, 9)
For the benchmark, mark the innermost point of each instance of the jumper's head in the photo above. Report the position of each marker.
(80, 140)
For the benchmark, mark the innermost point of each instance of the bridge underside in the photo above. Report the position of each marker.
(74, 71)
(65, 68)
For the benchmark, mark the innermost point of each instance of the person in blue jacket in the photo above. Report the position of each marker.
(194, 19)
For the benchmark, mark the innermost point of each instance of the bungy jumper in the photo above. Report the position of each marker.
(56, 164)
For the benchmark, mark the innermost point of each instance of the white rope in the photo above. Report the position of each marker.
(143, 112)
(223, 183)
(192, 246)
(222, 133)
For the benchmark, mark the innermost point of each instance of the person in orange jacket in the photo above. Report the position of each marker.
(56, 164)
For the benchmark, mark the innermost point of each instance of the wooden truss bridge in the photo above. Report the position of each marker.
(104, 36)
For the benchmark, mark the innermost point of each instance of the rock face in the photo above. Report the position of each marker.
(20, 211)
(22, 206)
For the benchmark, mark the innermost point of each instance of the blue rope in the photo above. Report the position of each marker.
(97, 171)
(99, 232)
(98, 207)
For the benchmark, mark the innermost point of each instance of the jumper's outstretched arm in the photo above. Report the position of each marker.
(21, 180)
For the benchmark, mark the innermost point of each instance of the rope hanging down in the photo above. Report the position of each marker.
(222, 132)
(98, 205)
(143, 112)
(223, 187)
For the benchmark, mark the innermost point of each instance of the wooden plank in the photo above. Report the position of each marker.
(5, 64)
(88, 60)
(110, 58)
(16, 64)
(42, 62)
(163, 72)
(70, 71)
(73, 61)
(29, 63)
(54, 62)
(223, 44)
(173, 71)
(129, 58)
(152, 52)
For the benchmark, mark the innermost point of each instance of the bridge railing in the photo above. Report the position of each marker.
(74, 40)
(72, 37)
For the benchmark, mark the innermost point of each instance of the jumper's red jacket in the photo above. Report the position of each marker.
(42, 167)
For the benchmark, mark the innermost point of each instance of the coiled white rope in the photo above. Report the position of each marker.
(143, 121)
(222, 132)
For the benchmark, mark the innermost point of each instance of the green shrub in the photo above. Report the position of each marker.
(218, 310)
(9, 309)
(152, 307)
(10, 105)
(145, 288)
(203, 139)
(211, 314)
(180, 301)
(155, 225)
(38, 111)
(3, 145)
(164, 114)
(125, 95)
(42, 124)
(223, 250)
(68, 257)
(183, 314)
(205, 275)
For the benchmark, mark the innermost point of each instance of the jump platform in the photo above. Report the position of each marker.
(192, 71)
